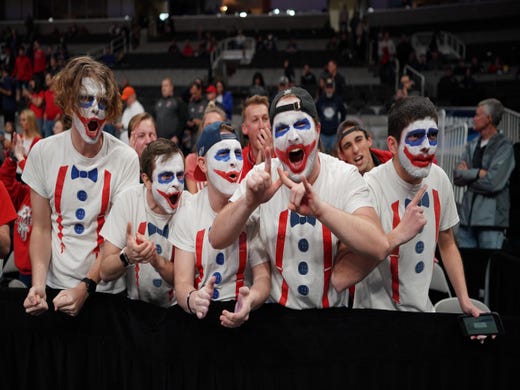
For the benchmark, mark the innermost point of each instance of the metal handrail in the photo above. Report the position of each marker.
(416, 75)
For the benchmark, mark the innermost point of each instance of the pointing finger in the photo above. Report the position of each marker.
(418, 196)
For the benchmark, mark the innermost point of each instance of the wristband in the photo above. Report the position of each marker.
(91, 285)
(124, 258)
(188, 301)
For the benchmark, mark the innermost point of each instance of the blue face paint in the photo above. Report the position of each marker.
(87, 101)
(168, 176)
(225, 155)
(416, 137)
(281, 129)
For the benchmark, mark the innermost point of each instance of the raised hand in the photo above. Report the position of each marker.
(303, 199)
(259, 186)
(413, 219)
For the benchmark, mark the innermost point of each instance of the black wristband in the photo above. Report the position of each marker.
(124, 258)
(188, 301)
(91, 285)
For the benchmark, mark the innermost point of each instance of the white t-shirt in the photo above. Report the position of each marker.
(302, 255)
(143, 282)
(231, 266)
(80, 191)
(402, 281)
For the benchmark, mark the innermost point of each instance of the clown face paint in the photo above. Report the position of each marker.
(295, 141)
(224, 163)
(417, 147)
(168, 182)
(89, 120)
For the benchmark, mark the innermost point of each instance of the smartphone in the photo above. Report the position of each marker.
(485, 324)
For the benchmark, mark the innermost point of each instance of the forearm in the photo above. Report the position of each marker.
(182, 289)
(361, 231)
(40, 253)
(111, 267)
(164, 268)
(5, 240)
(259, 291)
(229, 223)
(349, 269)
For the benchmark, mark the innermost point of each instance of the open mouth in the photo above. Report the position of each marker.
(92, 125)
(231, 176)
(172, 198)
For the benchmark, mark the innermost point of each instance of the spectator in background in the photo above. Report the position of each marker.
(170, 113)
(8, 91)
(308, 81)
(39, 62)
(283, 84)
(403, 50)
(34, 97)
(292, 46)
(52, 111)
(141, 132)
(270, 43)
(340, 84)
(256, 126)
(485, 168)
(224, 98)
(354, 146)
(22, 72)
(386, 52)
(30, 134)
(331, 112)
(59, 126)
(133, 107)
(7, 215)
(405, 85)
(187, 49)
(258, 85)
(288, 71)
(196, 108)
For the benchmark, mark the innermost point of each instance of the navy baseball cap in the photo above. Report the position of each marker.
(211, 134)
(306, 103)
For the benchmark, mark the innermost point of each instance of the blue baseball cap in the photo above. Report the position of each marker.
(212, 134)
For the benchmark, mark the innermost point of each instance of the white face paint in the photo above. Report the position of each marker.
(295, 141)
(417, 147)
(168, 182)
(90, 119)
(224, 163)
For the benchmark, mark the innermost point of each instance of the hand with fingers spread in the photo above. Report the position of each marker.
(303, 199)
(242, 310)
(139, 248)
(259, 185)
(199, 300)
(36, 301)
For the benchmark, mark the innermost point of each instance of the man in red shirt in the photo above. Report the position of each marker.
(22, 72)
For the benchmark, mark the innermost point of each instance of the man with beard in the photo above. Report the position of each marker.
(74, 177)
(142, 251)
(235, 276)
(322, 201)
(402, 281)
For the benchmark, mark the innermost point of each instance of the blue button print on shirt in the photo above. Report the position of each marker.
(303, 290)
(82, 195)
(303, 268)
(419, 267)
(80, 214)
(220, 258)
(303, 245)
(419, 247)
(218, 277)
(79, 228)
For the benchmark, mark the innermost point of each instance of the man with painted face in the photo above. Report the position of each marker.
(74, 177)
(402, 281)
(237, 276)
(323, 201)
(137, 229)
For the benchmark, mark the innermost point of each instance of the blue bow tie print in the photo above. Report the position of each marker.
(152, 229)
(75, 173)
(425, 201)
(300, 219)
